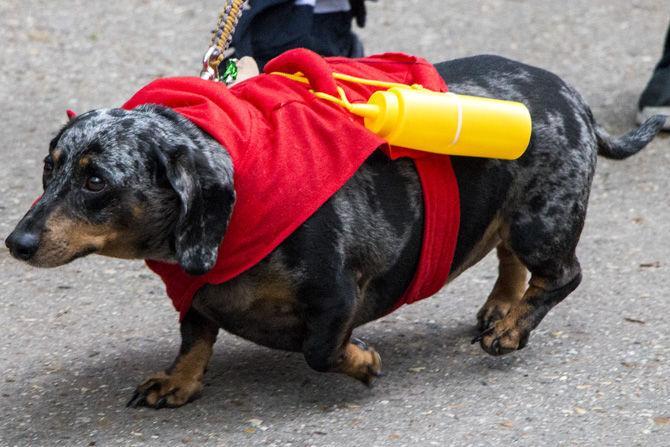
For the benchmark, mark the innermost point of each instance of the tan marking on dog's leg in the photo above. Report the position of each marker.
(512, 332)
(360, 362)
(182, 382)
(490, 239)
(508, 289)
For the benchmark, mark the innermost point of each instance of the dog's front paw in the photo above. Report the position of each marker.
(503, 337)
(164, 390)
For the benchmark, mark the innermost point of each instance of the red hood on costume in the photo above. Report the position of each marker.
(292, 151)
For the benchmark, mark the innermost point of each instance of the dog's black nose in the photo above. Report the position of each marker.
(22, 244)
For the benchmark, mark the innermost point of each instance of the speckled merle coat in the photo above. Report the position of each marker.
(147, 183)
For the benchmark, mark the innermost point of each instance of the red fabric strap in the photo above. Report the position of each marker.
(317, 70)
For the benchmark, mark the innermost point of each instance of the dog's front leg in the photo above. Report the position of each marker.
(181, 382)
(328, 346)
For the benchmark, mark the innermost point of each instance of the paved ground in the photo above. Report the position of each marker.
(76, 340)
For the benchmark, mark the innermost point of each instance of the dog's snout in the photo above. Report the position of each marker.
(22, 244)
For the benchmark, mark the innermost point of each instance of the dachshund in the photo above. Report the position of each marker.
(109, 188)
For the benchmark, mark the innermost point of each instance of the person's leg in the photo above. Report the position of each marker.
(655, 98)
(332, 35)
(279, 29)
(277, 26)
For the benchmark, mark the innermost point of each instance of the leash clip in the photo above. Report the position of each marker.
(210, 66)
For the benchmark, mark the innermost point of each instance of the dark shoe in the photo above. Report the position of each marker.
(648, 112)
(655, 99)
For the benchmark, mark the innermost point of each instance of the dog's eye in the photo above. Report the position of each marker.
(94, 183)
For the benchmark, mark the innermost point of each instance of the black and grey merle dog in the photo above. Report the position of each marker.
(134, 184)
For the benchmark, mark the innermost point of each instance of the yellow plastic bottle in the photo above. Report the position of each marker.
(447, 123)
(443, 123)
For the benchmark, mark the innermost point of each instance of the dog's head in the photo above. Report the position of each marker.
(144, 183)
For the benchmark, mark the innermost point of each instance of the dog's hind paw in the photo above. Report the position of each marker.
(164, 390)
(491, 312)
(362, 362)
(502, 337)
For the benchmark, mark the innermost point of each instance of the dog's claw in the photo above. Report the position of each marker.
(485, 324)
(373, 373)
(135, 401)
(360, 343)
(369, 380)
(165, 391)
(495, 346)
(481, 336)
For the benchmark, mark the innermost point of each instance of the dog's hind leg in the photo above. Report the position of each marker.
(508, 289)
(328, 346)
(546, 247)
(542, 229)
(181, 382)
(511, 332)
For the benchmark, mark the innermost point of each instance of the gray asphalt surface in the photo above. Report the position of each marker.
(75, 341)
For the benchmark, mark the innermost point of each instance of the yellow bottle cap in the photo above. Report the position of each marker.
(388, 107)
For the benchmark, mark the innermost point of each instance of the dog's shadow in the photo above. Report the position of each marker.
(245, 381)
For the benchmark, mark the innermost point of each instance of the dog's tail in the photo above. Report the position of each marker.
(618, 148)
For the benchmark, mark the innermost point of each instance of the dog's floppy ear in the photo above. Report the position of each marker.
(204, 185)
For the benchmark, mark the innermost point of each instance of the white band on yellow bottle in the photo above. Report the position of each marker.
(459, 124)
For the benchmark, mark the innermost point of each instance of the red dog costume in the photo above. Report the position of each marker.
(292, 151)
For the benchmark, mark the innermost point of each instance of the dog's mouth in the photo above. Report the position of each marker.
(47, 260)
(82, 253)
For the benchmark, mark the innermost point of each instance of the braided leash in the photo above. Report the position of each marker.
(221, 38)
